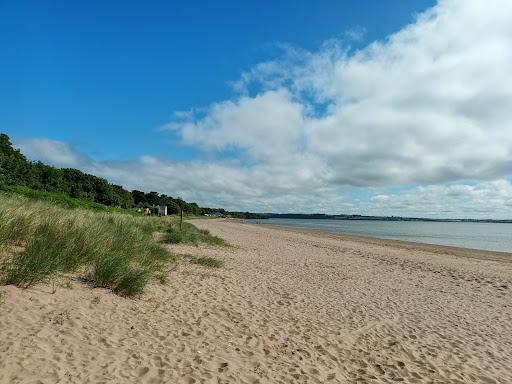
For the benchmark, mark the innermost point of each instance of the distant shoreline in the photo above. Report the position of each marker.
(304, 216)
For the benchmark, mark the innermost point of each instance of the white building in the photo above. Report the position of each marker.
(162, 210)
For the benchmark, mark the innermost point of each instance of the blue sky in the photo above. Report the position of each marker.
(104, 75)
(377, 107)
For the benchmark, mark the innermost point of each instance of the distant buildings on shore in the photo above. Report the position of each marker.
(215, 214)
(159, 210)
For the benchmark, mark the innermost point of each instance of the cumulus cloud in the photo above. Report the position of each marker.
(266, 126)
(51, 151)
(430, 104)
(427, 110)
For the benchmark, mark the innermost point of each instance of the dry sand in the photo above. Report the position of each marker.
(288, 307)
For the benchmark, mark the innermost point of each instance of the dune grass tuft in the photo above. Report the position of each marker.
(113, 250)
(209, 262)
(132, 281)
(190, 234)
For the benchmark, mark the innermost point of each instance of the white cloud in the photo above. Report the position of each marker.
(431, 104)
(51, 151)
(490, 199)
(355, 34)
(266, 126)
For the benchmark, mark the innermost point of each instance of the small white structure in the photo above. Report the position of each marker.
(162, 210)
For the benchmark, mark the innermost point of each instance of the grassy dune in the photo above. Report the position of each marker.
(39, 240)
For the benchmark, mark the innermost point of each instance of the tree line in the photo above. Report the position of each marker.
(16, 169)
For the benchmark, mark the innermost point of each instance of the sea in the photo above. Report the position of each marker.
(486, 236)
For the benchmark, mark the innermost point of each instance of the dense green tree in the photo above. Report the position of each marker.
(46, 177)
(172, 208)
(14, 167)
(152, 198)
(139, 197)
(192, 208)
(125, 197)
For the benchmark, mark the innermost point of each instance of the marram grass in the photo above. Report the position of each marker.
(190, 234)
(40, 240)
(208, 262)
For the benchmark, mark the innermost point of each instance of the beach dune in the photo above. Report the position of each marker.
(287, 307)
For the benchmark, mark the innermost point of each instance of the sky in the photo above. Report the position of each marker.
(371, 107)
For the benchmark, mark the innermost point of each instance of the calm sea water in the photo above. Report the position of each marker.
(488, 236)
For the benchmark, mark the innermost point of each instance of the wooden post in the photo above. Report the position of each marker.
(181, 217)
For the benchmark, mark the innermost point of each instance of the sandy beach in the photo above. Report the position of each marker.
(287, 307)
